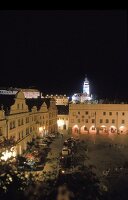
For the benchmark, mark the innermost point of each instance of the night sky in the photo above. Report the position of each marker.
(53, 50)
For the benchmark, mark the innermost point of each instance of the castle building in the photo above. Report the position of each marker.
(28, 93)
(85, 96)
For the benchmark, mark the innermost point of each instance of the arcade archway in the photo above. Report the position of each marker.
(84, 130)
(75, 129)
(122, 130)
(103, 130)
(93, 130)
(112, 130)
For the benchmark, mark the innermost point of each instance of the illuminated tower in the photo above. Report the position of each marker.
(86, 87)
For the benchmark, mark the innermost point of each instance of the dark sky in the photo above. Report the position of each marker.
(53, 50)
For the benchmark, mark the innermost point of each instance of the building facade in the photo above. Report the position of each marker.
(28, 93)
(98, 118)
(22, 120)
(63, 117)
(60, 99)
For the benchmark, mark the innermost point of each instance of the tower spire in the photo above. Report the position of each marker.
(86, 88)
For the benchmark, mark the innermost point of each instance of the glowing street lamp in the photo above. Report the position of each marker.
(8, 154)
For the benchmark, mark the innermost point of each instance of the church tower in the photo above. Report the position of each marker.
(86, 88)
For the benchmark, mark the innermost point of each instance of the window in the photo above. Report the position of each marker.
(18, 106)
(27, 131)
(110, 113)
(86, 120)
(82, 116)
(22, 122)
(86, 113)
(10, 125)
(123, 121)
(101, 120)
(79, 113)
(13, 126)
(104, 113)
(22, 134)
(93, 120)
(22, 106)
(19, 136)
(0, 131)
(107, 121)
(123, 113)
(18, 122)
(113, 121)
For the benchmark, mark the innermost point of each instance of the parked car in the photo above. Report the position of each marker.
(66, 151)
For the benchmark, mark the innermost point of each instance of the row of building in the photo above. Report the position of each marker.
(23, 118)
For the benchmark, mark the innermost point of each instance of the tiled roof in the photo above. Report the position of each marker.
(37, 102)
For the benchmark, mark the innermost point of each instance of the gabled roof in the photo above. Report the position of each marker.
(62, 109)
(37, 102)
(6, 101)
